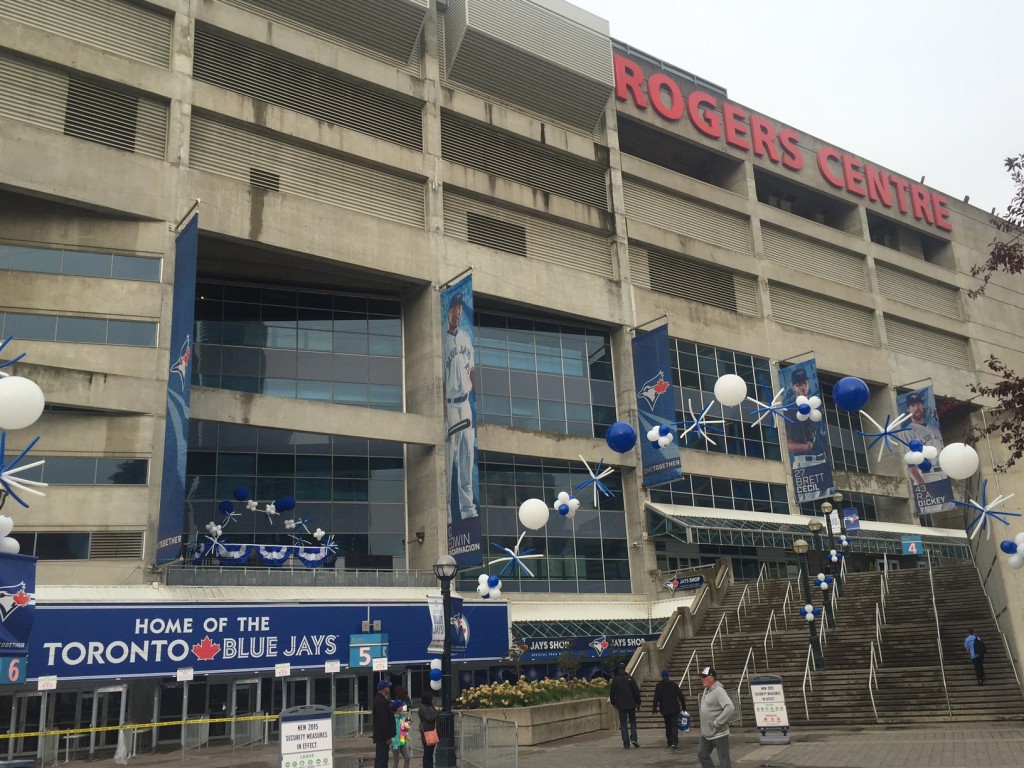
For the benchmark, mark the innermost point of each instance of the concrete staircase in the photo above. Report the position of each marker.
(910, 687)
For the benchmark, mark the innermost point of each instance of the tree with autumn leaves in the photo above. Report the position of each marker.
(1007, 255)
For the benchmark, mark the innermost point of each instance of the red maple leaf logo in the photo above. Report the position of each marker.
(206, 650)
(661, 387)
(22, 598)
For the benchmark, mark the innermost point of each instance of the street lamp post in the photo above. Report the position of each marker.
(837, 572)
(800, 547)
(815, 526)
(444, 756)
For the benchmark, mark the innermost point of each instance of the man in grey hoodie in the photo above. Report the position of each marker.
(716, 710)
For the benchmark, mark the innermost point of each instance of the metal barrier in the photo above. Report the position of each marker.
(195, 733)
(247, 732)
(348, 721)
(485, 742)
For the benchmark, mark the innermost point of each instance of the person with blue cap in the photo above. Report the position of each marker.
(383, 724)
(669, 700)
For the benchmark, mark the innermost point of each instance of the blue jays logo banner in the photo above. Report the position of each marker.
(932, 489)
(106, 641)
(656, 404)
(463, 480)
(17, 603)
(584, 647)
(172, 485)
(807, 440)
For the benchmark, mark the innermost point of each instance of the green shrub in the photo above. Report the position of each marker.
(523, 693)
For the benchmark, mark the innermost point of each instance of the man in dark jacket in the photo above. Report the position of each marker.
(383, 724)
(625, 697)
(669, 700)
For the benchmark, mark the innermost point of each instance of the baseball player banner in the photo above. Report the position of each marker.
(17, 603)
(656, 405)
(463, 479)
(932, 490)
(806, 441)
(172, 485)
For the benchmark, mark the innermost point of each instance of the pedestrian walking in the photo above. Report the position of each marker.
(383, 724)
(976, 649)
(428, 725)
(716, 710)
(669, 700)
(400, 741)
(625, 697)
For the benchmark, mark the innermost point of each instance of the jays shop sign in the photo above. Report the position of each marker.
(155, 640)
(716, 118)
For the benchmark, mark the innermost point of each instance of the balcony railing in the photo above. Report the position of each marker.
(255, 576)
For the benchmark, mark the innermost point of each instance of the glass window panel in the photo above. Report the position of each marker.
(136, 268)
(26, 259)
(314, 390)
(87, 264)
(122, 471)
(387, 346)
(131, 333)
(68, 470)
(62, 546)
(34, 327)
(81, 330)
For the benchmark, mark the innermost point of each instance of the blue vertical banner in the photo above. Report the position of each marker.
(463, 475)
(172, 486)
(932, 490)
(17, 603)
(656, 404)
(807, 441)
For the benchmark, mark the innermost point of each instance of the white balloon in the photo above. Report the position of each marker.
(495, 593)
(482, 590)
(730, 389)
(7, 525)
(574, 504)
(436, 664)
(821, 576)
(21, 402)
(665, 440)
(9, 546)
(654, 433)
(833, 552)
(809, 617)
(808, 607)
(930, 451)
(482, 579)
(1016, 561)
(563, 498)
(1019, 539)
(814, 416)
(435, 684)
(803, 416)
(534, 514)
(814, 402)
(824, 585)
(959, 461)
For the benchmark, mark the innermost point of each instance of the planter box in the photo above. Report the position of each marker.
(550, 722)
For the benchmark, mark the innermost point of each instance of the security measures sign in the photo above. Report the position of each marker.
(769, 708)
(307, 737)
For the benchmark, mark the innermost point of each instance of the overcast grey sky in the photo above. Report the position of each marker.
(924, 88)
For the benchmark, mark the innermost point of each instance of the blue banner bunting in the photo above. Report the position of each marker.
(807, 441)
(656, 405)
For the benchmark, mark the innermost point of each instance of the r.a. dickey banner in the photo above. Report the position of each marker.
(17, 603)
(807, 441)
(656, 404)
(106, 641)
(932, 490)
(172, 484)
(462, 490)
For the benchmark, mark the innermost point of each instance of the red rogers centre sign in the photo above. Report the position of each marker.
(747, 131)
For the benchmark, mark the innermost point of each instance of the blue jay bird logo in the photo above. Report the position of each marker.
(654, 388)
(599, 644)
(180, 366)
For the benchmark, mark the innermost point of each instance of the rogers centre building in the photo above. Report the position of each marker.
(356, 162)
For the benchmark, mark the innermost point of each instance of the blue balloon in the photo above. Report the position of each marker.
(1008, 546)
(925, 466)
(663, 430)
(563, 509)
(851, 394)
(492, 581)
(285, 505)
(804, 409)
(655, 445)
(621, 437)
(226, 507)
(435, 674)
(916, 445)
(241, 493)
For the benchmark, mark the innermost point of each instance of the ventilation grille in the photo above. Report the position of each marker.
(50, 99)
(822, 315)
(119, 545)
(814, 258)
(525, 162)
(511, 231)
(251, 157)
(686, 217)
(693, 280)
(926, 343)
(917, 291)
(114, 26)
(387, 29)
(254, 72)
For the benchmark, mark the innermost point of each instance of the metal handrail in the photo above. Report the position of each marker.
(1002, 634)
(822, 637)
(761, 576)
(873, 678)
(938, 638)
(834, 600)
(639, 658)
(686, 672)
(750, 662)
(807, 679)
(881, 599)
(725, 572)
(718, 631)
(785, 604)
(878, 634)
(745, 595)
(767, 634)
(661, 645)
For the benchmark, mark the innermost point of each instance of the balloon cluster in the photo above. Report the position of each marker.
(566, 505)
(660, 436)
(920, 455)
(8, 544)
(823, 581)
(844, 540)
(809, 612)
(808, 408)
(1013, 547)
(241, 496)
(835, 556)
(488, 586)
(435, 674)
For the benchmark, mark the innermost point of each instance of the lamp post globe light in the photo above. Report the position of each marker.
(800, 547)
(445, 569)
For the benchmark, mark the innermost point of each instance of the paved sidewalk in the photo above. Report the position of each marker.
(960, 746)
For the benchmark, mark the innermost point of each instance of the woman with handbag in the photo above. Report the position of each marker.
(428, 728)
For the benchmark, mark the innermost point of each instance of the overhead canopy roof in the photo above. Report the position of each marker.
(588, 610)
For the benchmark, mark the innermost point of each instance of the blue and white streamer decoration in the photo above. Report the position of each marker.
(774, 408)
(986, 510)
(314, 557)
(515, 557)
(233, 554)
(274, 555)
(809, 612)
(9, 484)
(596, 476)
(21, 404)
(888, 434)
